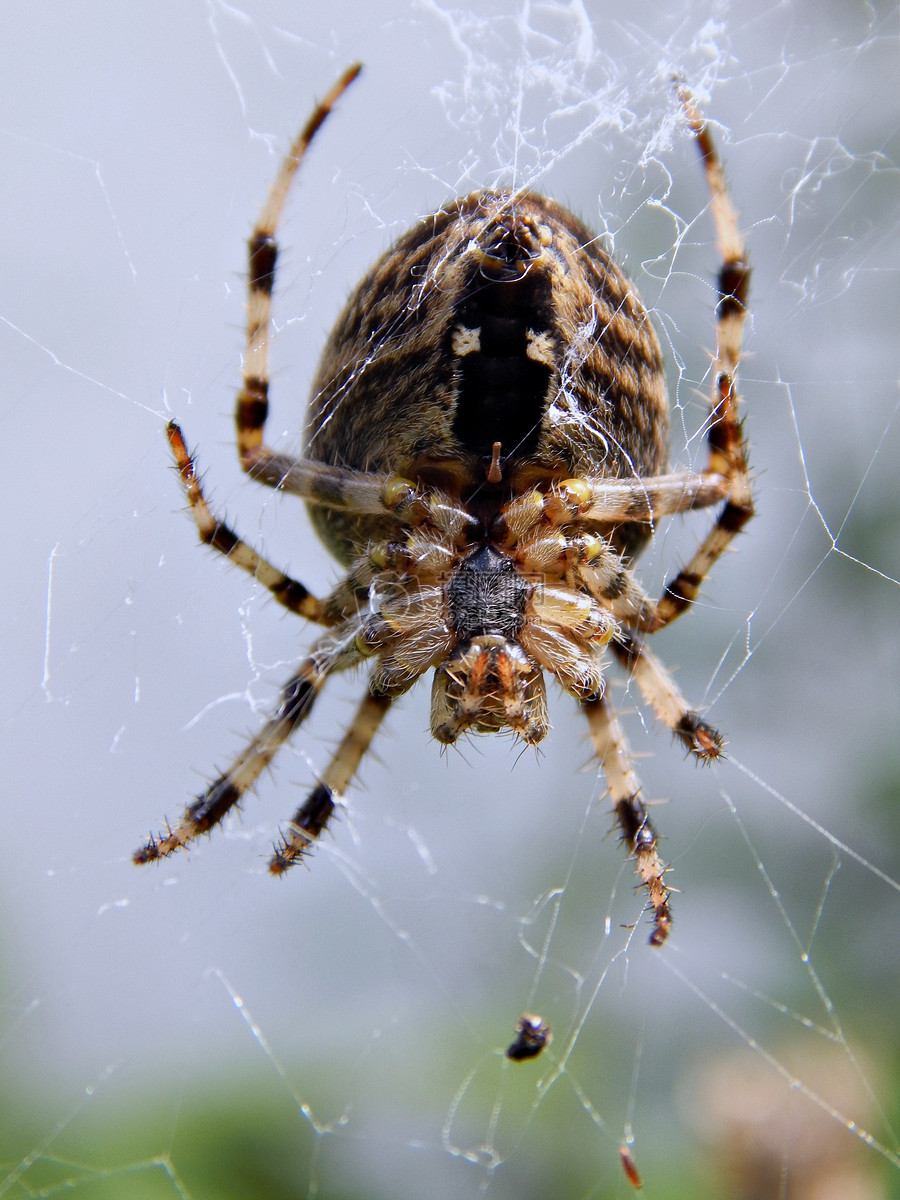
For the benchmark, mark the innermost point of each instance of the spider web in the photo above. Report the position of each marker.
(201, 1031)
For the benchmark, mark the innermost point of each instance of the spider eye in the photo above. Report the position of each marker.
(507, 249)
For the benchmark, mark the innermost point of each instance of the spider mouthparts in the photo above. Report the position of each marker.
(487, 685)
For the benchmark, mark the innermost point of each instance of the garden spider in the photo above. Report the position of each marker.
(486, 452)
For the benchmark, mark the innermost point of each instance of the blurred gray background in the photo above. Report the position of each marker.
(200, 1030)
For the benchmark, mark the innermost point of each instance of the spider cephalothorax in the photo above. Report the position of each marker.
(486, 452)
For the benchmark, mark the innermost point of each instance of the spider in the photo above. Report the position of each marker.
(486, 454)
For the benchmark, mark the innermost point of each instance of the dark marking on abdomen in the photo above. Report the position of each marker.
(502, 391)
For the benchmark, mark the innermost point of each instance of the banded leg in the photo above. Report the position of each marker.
(297, 697)
(727, 450)
(310, 819)
(624, 790)
(575, 501)
(289, 592)
(318, 483)
(682, 591)
(252, 402)
(659, 690)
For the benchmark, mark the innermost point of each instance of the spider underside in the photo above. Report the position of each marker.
(486, 453)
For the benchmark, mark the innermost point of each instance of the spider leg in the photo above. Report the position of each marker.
(682, 591)
(319, 483)
(727, 449)
(252, 402)
(658, 497)
(624, 790)
(659, 690)
(309, 821)
(335, 652)
(289, 592)
(575, 501)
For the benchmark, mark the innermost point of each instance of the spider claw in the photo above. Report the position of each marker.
(661, 929)
(293, 848)
(155, 848)
(149, 852)
(704, 742)
(280, 860)
(285, 857)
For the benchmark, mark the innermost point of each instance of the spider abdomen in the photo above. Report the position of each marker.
(497, 319)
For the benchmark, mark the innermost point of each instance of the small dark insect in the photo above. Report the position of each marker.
(631, 1171)
(532, 1035)
(486, 452)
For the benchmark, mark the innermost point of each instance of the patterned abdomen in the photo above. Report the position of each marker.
(497, 319)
